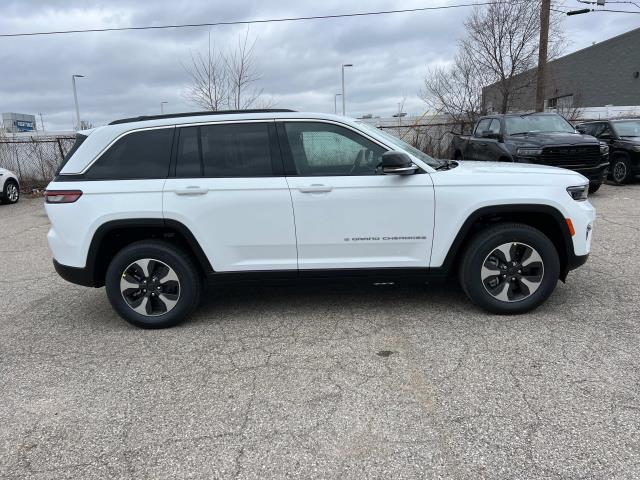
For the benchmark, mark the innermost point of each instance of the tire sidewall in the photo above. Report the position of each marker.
(485, 245)
(5, 195)
(625, 162)
(174, 258)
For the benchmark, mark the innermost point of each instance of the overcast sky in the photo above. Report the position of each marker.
(130, 73)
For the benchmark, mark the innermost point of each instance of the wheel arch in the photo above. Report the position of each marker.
(114, 235)
(545, 218)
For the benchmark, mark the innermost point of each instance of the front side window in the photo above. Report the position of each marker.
(324, 149)
(483, 125)
(225, 150)
(138, 155)
(494, 128)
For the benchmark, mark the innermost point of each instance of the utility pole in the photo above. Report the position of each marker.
(41, 121)
(545, 12)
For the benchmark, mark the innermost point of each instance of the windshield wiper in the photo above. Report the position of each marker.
(520, 133)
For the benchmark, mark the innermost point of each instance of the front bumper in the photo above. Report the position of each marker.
(595, 174)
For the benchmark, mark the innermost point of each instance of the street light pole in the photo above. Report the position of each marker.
(75, 98)
(162, 107)
(343, 95)
(335, 102)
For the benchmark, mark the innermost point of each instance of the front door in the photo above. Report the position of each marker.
(347, 213)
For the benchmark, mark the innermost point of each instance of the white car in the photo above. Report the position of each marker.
(9, 186)
(152, 207)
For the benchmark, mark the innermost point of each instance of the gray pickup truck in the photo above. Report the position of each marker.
(543, 138)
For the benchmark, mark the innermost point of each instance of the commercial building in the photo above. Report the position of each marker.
(18, 122)
(601, 80)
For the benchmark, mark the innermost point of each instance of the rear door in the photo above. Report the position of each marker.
(348, 214)
(228, 189)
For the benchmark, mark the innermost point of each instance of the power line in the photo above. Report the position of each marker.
(247, 22)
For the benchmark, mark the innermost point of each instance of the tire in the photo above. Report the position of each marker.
(478, 263)
(10, 192)
(620, 170)
(594, 187)
(178, 295)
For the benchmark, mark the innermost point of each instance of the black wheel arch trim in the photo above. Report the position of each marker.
(104, 229)
(572, 261)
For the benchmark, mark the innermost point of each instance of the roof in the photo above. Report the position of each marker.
(196, 114)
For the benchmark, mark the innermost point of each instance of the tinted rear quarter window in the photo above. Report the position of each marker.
(138, 155)
(79, 140)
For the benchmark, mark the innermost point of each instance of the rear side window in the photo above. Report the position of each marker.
(138, 155)
(79, 140)
(236, 150)
(227, 150)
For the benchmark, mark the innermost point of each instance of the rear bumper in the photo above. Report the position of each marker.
(79, 276)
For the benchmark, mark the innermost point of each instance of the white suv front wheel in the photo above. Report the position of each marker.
(152, 284)
(510, 268)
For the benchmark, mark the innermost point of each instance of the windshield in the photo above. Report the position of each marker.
(432, 162)
(627, 128)
(538, 123)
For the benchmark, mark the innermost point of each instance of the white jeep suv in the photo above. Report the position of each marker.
(151, 207)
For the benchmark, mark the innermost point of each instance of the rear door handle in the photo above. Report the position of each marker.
(191, 190)
(315, 188)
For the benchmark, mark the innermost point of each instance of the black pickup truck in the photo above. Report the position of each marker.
(623, 138)
(543, 138)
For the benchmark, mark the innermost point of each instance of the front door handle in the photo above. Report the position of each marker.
(191, 190)
(315, 188)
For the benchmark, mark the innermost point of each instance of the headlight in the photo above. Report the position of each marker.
(528, 152)
(604, 148)
(579, 193)
(636, 148)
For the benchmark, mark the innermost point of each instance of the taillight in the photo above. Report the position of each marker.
(62, 196)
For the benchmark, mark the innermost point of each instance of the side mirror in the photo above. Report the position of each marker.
(398, 163)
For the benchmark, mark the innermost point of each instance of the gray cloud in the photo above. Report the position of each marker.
(129, 73)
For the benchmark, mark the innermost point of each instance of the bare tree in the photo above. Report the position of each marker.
(456, 90)
(500, 44)
(226, 79)
(209, 86)
(502, 39)
(243, 75)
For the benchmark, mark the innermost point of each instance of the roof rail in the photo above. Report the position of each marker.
(195, 114)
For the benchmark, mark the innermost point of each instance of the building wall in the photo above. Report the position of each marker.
(607, 73)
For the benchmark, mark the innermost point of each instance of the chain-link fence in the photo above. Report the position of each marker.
(432, 138)
(33, 158)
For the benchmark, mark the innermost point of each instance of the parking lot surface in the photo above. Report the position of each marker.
(322, 382)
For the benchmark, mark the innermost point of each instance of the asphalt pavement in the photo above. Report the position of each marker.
(323, 382)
